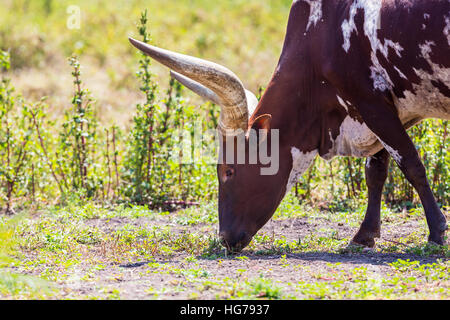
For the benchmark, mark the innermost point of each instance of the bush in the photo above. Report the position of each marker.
(78, 158)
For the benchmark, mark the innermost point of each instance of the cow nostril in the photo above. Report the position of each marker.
(234, 243)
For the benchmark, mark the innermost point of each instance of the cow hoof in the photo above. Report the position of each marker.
(366, 242)
(360, 248)
(439, 238)
(437, 241)
(434, 244)
(366, 237)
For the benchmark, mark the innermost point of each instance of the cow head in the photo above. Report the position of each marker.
(249, 187)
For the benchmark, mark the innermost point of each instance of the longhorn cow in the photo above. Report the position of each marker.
(352, 77)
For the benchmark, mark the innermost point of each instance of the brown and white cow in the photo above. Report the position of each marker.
(352, 77)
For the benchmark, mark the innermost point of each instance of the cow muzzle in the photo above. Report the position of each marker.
(234, 243)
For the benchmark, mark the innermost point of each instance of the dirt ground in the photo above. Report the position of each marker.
(319, 268)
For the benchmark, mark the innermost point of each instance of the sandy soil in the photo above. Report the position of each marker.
(170, 278)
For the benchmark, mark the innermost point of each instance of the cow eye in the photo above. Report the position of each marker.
(226, 173)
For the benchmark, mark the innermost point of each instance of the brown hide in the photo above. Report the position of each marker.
(313, 70)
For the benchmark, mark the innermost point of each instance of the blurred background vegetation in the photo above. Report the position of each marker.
(98, 126)
(246, 36)
(84, 117)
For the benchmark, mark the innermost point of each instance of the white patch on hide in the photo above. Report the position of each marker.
(427, 101)
(355, 139)
(447, 28)
(390, 44)
(426, 49)
(368, 162)
(400, 73)
(372, 21)
(394, 153)
(301, 161)
(315, 12)
(342, 103)
(347, 29)
(379, 76)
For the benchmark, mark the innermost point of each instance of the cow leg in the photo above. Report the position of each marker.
(376, 174)
(391, 133)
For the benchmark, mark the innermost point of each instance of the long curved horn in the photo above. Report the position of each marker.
(199, 89)
(252, 102)
(208, 94)
(220, 80)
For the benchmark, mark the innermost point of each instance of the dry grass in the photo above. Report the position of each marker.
(40, 43)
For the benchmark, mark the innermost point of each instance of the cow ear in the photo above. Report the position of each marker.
(262, 122)
(261, 125)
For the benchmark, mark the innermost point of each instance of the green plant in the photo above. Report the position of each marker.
(15, 135)
(78, 139)
(139, 161)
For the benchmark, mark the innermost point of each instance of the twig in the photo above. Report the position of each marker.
(41, 142)
(115, 157)
(395, 242)
(108, 163)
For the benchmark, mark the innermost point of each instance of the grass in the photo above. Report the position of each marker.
(90, 251)
(121, 252)
(39, 41)
(12, 283)
(404, 280)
